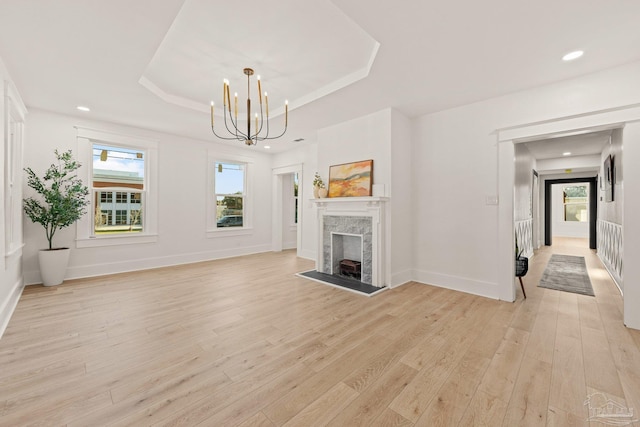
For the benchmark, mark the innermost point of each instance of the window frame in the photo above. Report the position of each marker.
(212, 230)
(565, 204)
(85, 234)
(14, 130)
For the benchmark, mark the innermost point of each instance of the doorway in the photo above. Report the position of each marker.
(286, 213)
(627, 117)
(592, 207)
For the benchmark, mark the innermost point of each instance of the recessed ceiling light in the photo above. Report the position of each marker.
(566, 153)
(83, 108)
(266, 147)
(572, 55)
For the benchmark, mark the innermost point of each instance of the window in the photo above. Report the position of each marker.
(229, 193)
(120, 170)
(118, 179)
(106, 196)
(575, 203)
(228, 190)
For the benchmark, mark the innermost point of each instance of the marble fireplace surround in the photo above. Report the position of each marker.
(355, 216)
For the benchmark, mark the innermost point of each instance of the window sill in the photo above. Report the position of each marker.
(94, 242)
(229, 232)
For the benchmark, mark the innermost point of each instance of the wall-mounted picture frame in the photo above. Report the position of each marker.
(609, 171)
(351, 179)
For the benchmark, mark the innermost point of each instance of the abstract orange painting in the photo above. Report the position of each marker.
(351, 179)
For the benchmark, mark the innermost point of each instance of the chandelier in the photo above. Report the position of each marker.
(261, 120)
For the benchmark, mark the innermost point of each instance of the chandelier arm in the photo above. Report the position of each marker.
(261, 121)
(266, 135)
(224, 137)
(274, 137)
(240, 137)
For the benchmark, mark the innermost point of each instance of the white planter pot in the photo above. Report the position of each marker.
(53, 265)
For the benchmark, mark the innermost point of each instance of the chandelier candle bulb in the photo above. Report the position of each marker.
(225, 94)
(235, 95)
(211, 113)
(266, 103)
(259, 90)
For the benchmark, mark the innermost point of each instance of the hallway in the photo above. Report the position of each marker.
(592, 351)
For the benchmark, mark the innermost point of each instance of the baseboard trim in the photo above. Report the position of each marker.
(401, 278)
(617, 280)
(9, 305)
(33, 277)
(456, 283)
(306, 254)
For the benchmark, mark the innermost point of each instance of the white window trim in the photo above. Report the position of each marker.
(247, 221)
(85, 237)
(14, 114)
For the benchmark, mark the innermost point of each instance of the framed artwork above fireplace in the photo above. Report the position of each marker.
(351, 179)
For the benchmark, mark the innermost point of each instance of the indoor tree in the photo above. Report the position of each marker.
(63, 196)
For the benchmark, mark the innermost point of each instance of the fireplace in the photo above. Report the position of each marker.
(346, 254)
(352, 229)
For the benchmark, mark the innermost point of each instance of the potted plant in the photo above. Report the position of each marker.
(319, 189)
(62, 202)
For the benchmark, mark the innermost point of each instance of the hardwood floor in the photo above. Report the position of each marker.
(245, 342)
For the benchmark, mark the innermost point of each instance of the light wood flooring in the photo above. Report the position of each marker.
(244, 342)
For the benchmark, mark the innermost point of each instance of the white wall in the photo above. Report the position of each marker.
(182, 168)
(456, 157)
(525, 164)
(11, 283)
(402, 195)
(612, 211)
(523, 200)
(364, 138)
(610, 214)
(455, 163)
(631, 242)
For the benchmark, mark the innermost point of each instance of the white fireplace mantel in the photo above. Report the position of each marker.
(362, 201)
(372, 207)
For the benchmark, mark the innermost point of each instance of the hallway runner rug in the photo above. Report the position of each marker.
(567, 273)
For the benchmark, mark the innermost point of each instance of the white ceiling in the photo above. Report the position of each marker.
(578, 145)
(156, 64)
